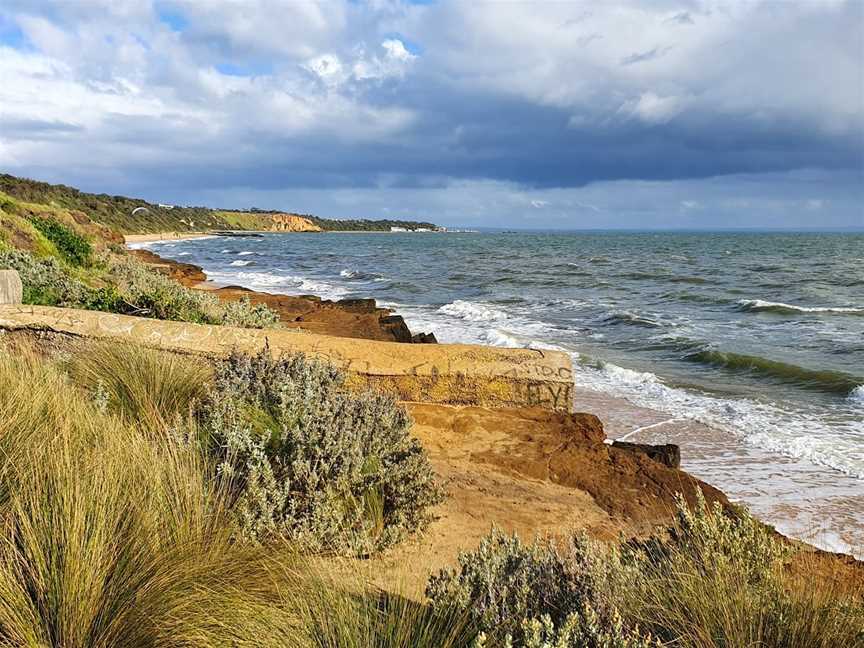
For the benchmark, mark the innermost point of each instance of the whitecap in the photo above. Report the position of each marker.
(471, 311)
(757, 305)
(241, 263)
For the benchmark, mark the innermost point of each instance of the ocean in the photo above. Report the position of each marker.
(747, 349)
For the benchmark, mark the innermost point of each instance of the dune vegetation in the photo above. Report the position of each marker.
(152, 499)
(116, 212)
(65, 259)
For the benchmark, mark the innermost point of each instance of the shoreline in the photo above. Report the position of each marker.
(352, 318)
(163, 236)
(622, 420)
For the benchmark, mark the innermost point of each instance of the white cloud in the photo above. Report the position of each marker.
(396, 50)
(653, 109)
(539, 204)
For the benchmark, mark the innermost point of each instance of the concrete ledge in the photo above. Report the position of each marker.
(439, 373)
(11, 290)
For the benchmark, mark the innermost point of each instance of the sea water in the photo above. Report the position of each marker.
(747, 349)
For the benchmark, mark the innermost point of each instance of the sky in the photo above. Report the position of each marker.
(660, 114)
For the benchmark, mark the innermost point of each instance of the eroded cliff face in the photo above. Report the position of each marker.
(292, 223)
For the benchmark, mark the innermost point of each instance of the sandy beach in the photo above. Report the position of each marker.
(163, 236)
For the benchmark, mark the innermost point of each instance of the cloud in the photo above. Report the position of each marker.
(648, 55)
(682, 18)
(653, 109)
(386, 96)
(539, 204)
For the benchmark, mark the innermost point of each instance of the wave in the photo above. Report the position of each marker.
(833, 382)
(631, 319)
(472, 312)
(245, 253)
(763, 306)
(857, 394)
(695, 298)
(690, 280)
(763, 425)
(279, 283)
(242, 263)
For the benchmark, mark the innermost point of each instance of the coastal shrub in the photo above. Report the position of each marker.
(73, 247)
(151, 294)
(47, 283)
(310, 461)
(723, 580)
(533, 595)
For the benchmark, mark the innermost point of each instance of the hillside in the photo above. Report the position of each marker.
(116, 212)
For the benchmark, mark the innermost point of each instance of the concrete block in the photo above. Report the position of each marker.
(439, 373)
(11, 290)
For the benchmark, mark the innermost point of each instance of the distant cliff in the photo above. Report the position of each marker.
(293, 223)
(137, 216)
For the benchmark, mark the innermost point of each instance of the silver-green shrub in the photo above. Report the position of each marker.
(130, 287)
(538, 594)
(311, 461)
(47, 282)
(152, 294)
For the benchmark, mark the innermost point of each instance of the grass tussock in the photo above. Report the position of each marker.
(113, 538)
(729, 581)
(143, 386)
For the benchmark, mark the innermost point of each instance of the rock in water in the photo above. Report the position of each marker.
(668, 454)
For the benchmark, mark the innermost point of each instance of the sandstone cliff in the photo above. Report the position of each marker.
(292, 223)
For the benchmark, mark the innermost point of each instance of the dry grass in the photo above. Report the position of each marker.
(144, 386)
(112, 537)
(727, 583)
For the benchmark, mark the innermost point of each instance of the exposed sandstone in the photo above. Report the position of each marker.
(293, 223)
(667, 454)
(534, 471)
(354, 318)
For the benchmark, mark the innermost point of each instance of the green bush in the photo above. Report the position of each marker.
(312, 462)
(716, 579)
(132, 288)
(47, 283)
(538, 594)
(74, 249)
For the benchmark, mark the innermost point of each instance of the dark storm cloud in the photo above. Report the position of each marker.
(180, 96)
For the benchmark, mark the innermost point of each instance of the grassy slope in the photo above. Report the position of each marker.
(116, 211)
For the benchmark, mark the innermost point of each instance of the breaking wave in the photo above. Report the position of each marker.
(760, 424)
(835, 382)
(631, 319)
(763, 306)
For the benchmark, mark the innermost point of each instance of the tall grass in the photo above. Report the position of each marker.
(152, 388)
(112, 538)
(724, 581)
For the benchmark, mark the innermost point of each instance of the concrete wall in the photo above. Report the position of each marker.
(10, 287)
(440, 373)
